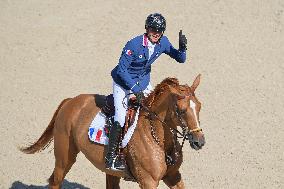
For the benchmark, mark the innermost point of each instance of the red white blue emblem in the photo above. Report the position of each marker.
(129, 52)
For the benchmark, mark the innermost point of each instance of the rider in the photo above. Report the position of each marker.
(133, 74)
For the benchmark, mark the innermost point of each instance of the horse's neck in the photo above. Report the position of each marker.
(161, 131)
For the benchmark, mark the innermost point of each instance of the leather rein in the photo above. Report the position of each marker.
(186, 133)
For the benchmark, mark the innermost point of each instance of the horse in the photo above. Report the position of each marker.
(154, 152)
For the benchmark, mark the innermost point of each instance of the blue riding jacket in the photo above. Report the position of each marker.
(134, 67)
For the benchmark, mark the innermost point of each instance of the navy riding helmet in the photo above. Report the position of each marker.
(156, 22)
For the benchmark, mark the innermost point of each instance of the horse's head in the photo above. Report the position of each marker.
(178, 106)
(185, 112)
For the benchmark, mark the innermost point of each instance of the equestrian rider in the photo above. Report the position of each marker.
(133, 74)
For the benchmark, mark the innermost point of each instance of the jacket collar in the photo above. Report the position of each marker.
(145, 40)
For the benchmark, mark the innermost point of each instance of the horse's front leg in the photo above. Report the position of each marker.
(148, 177)
(112, 182)
(174, 180)
(148, 183)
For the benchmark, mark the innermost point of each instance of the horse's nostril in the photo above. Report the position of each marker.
(196, 143)
(199, 143)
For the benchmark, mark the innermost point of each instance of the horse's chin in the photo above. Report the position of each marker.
(195, 146)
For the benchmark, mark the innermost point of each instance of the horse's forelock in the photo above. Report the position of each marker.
(186, 90)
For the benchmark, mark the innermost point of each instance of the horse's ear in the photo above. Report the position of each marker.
(195, 83)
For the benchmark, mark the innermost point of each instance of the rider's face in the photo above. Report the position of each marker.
(153, 35)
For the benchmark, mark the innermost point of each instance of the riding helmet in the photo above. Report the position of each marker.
(156, 22)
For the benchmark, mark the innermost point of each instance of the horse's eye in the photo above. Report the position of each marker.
(182, 111)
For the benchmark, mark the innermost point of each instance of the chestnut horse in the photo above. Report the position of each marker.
(153, 153)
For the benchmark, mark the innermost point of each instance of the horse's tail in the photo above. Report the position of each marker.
(47, 136)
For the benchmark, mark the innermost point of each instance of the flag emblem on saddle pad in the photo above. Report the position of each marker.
(129, 52)
(98, 136)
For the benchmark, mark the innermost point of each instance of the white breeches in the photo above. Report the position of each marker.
(121, 97)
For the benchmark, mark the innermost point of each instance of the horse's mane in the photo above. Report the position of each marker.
(160, 88)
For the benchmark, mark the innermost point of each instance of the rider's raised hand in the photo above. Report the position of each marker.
(182, 41)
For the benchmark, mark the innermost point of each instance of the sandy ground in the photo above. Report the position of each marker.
(50, 50)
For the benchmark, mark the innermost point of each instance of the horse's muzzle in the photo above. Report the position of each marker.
(195, 141)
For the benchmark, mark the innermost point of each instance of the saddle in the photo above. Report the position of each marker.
(106, 103)
(108, 106)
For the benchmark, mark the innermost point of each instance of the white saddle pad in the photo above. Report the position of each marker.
(97, 133)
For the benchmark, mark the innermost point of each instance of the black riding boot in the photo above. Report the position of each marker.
(113, 161)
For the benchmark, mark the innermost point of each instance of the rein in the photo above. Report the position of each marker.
(185, 132)
(153, 114)
(171, 158)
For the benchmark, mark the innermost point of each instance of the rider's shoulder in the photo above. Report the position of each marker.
(164, 39)
(136, 39)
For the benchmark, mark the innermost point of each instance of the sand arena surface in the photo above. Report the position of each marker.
(50, 50)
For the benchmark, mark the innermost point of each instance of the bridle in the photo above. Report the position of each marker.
(186, 133)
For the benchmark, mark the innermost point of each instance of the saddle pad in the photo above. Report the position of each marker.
(97, 133)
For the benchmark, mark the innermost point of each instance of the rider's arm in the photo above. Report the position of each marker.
(178, 55)
(125, 60)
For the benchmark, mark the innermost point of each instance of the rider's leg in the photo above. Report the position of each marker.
(120, 103)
